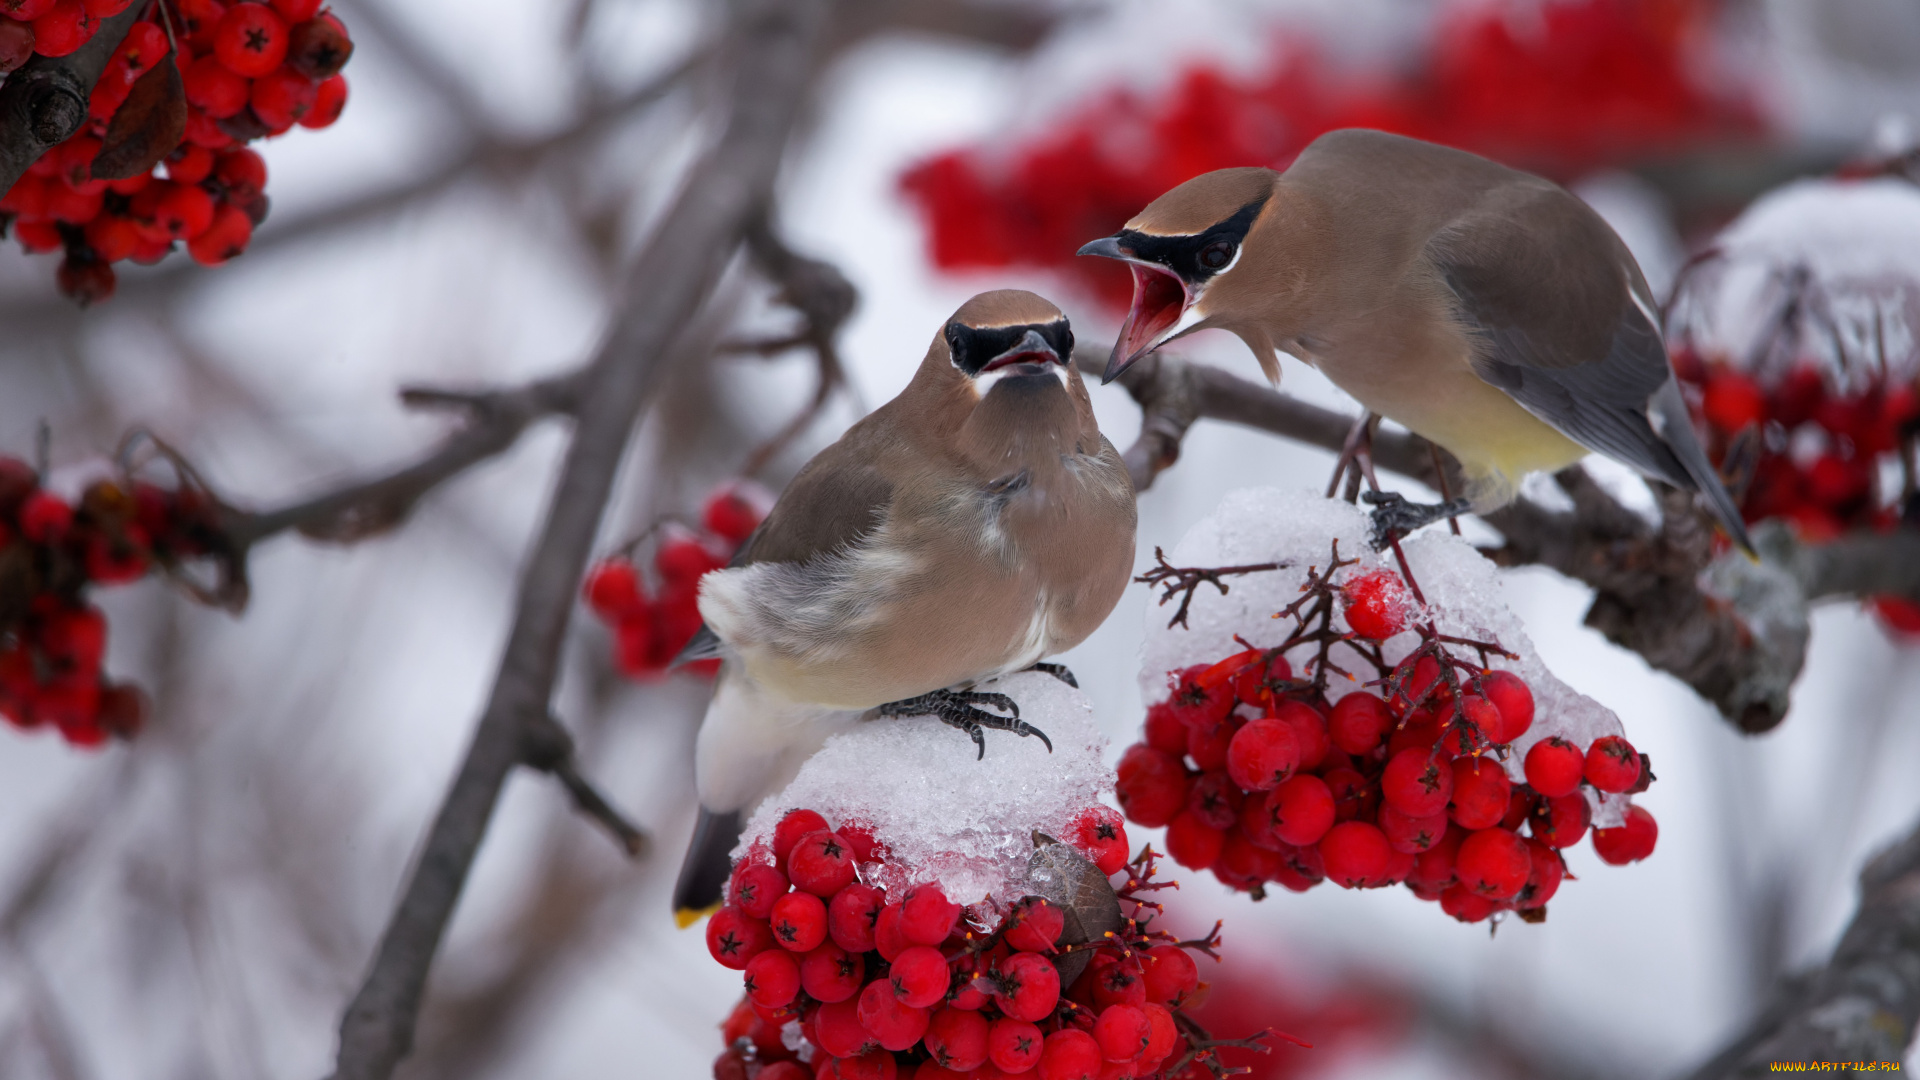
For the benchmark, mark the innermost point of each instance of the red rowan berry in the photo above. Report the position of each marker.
(227, 237)
(957, 1039)
(329, 101)
(612, 590)
(1416, 784)
(16, 43)
(282, 97)
(1629, 842)
(927, 916)
(122, 710)
(919, 976)
(1262, 755)
(1215, 800)
(893, 1023)
(1377, 605)
(730, 1065)
(852, 916)
(1493, 863)
(1255, 681)
(1309, 727)
(1014, 1046)
(250, 39)
(25, 10)
(296, 11)
(187, 164)
(63, 28)
(45, 517)
(1165, 730)
(971, 994)
(799, 922)
(1543, 880)
(1101, 835)
(1301, 810)
(318, 48)
(242, 173)
(1410, 834)
(1193, 843)
(1554, 766)
(1035, 925)
(1070, 1054)
(1122, 1032)
(821, 863)
(1733, 401)
(1353, 796)
(1208, 743)
(733, 938)
(1419, 681)
(1480, 792)
(1612, 764)
(106, 9)
(773, 978)
(732, 512)
(1196, 703)
(1519, 808)
(1151, 785)
(136, 54)
(112, 237)
(1243, 864)
(1359, 722)
(1026, 987)
(794, 825)
(1466, 905)
(1354, 853)
(860, 840)
(831, 973)
(754, 887)
(889, 940)
(839, 1030)
(683, 560)
(1513, 699)
(1169, 974)
(783, 1070)
(1561, 821)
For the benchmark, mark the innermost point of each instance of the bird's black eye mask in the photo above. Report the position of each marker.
(1198, 257)
(979, 349)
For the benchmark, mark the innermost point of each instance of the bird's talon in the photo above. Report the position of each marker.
(1058, 671)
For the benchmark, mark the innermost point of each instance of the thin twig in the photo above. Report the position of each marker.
(1174, 580)
(548, 747)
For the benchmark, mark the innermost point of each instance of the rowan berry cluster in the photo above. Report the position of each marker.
(128, 185)
(651, 627)
(845, 980)
(1259, 778)
(1807, 451)
(1548, 96)
(52, 641)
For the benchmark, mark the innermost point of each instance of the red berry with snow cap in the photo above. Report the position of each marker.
(1555, 766)
(1613, 765)
(821, 863)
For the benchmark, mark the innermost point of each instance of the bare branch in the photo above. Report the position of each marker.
(777, 48)
(550, 749)
(494, 422)
(1863, 1005)
(825, 299)
(45, 101)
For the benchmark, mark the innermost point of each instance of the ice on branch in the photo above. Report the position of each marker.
(1299, 529)
(944, 816)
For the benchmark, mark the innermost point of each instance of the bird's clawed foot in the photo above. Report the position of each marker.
(1058, 671)
(961, 709)
(1394, 516)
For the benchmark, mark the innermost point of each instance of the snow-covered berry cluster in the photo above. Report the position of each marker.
(129, 185)
(652, 626)
(1794, 341)
(853, 980)
(52, 551)
(1382, 739)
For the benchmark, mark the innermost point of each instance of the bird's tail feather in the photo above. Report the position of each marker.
(1680, 437)
(703, 874)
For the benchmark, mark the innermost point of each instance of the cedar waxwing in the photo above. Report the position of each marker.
(967, 529)
(1485, 309)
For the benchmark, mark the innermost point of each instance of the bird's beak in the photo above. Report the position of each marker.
(1160, 298)
(1031, 349)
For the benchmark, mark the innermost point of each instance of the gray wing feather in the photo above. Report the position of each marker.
(1551, 292)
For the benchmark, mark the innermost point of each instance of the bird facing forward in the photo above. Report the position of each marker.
(969, 528)
(1485, 309)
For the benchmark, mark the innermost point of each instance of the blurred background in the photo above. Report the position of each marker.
(199, 902)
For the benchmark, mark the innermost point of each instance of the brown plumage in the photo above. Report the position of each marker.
(1484, 308)
(972, 526)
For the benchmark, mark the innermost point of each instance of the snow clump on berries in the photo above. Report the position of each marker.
(944, 815)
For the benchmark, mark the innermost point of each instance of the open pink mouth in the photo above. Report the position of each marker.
(1159, 297)
(1030, 356)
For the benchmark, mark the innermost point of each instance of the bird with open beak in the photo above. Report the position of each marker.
(1485, 309)
(969, 528)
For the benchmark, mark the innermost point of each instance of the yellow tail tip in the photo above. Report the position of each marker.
(685, 917)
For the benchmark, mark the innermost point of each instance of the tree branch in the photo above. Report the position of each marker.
(549, 748)
(1863, 1005)
(1739, 642)
(672, 277)
(45, 100)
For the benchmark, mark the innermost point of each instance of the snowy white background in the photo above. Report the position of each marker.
(248, 850)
